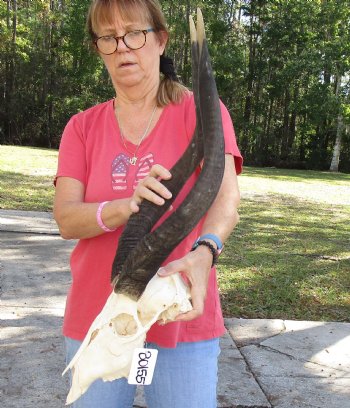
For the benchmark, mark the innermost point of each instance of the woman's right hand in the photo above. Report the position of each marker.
(150, 188)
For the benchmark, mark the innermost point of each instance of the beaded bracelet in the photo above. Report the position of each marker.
(211, 248)
(99, 218)
(214, 238)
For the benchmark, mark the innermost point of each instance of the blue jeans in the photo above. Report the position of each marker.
(184, 377)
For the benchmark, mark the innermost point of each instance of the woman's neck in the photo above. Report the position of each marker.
(137, 116)
(132, 99)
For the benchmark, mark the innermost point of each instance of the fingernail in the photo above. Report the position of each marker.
(161, 272)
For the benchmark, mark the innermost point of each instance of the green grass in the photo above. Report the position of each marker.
(288, 259)
(313, 186)
(289, 256)
(26, 178)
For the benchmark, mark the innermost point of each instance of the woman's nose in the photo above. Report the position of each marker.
(121, 46)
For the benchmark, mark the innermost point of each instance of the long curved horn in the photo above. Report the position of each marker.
(139, 266)
(141, 223)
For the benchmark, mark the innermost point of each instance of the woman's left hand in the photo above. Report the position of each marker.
(196, 266)
(150, 188)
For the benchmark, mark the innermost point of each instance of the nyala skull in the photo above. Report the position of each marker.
(107, 349)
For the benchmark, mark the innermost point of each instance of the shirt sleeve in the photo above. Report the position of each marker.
(229, 132)
(230, 139)
(72, 153)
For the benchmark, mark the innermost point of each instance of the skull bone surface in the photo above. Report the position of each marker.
(108, 347)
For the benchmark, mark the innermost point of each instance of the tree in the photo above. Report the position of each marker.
(282, 69)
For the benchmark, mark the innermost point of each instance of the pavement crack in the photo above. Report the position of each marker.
(26, 307)
(256, 378)
(31, 232)
(279, 352)
(322, 366)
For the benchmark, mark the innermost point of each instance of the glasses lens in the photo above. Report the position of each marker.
(135, 39)
(107, 45)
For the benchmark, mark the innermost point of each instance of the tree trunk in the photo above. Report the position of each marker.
(51, 77)
(249, 89)
(267, 125)
(302, 139)
(340, 126)
(10, 134)
(187, 51)
(239, 17)
(285, 129)
(293, 119)
(337, 146)
(5, 93)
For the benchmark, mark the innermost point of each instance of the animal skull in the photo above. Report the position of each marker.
(107, 349)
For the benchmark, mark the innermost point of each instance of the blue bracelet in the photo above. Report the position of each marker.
(214, 238)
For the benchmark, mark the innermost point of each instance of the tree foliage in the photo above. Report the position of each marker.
(282, 68)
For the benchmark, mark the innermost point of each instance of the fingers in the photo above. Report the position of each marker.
(198, 295)
(192, 314)
(197, 280)
(151, 188)
(171, 268)
(134, 207)
(159, 171)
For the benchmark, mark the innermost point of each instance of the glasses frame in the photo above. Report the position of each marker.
(122, 37)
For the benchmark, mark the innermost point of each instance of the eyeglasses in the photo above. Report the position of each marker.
(134, 40)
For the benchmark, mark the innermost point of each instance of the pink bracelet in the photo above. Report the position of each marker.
(99, 219)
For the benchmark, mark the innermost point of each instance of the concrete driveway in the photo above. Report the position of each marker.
(263, 364)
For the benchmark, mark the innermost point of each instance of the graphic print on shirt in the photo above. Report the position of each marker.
(121, 169)
(144, 166)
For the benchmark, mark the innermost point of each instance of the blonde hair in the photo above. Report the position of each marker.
(101, 12)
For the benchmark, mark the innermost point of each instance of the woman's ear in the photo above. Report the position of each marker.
(163, 39)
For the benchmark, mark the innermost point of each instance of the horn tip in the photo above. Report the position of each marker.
(200, 27)
(193, 31)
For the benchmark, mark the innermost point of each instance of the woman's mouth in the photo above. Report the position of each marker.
(126, 64)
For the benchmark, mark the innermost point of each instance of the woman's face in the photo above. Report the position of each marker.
(132, 68)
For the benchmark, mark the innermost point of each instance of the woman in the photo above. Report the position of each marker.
(112, 157)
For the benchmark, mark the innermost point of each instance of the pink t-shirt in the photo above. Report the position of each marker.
(93, 152)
